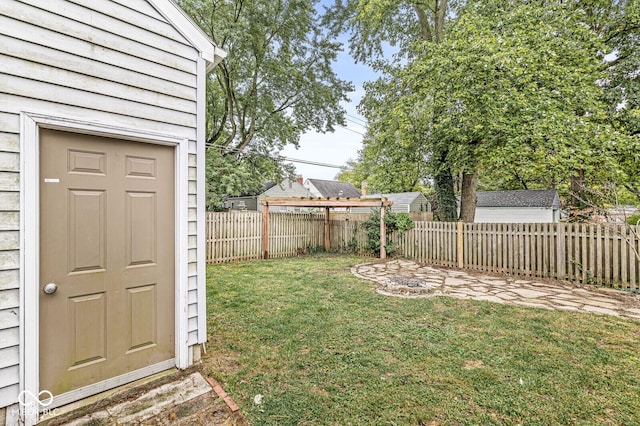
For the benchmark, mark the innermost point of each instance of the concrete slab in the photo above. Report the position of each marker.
(156, 400)
(185, 400)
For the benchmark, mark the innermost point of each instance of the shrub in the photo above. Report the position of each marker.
(634, 219)
(394, 222)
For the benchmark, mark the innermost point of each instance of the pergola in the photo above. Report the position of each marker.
(327, 204)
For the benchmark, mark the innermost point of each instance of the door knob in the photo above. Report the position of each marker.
(50, 288)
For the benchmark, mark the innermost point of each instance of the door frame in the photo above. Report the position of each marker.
(30, 125)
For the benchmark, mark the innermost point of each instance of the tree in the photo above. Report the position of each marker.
(276, 83)
(372, 26)
(520, 77)
(618, 22)
(519, 97)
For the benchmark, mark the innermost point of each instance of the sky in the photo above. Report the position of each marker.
(342, 145)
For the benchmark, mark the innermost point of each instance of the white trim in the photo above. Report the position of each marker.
(201, 204)
(29, 259)
(182, 245)
(29, 226)
(192, 32)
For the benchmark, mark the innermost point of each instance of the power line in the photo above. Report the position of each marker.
(313, 163)
(356, 118)
(355, 122)
(354, 131)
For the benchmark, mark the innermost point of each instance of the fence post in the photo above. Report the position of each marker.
(327, 230)
(460, 244)
(265, 232)
(383, 234)
(560, 251)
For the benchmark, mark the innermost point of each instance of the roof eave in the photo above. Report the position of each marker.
(191, 31)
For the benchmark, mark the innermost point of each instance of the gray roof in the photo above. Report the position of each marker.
(397, 197)
(267, 186)
(332, 188)
(519, 198)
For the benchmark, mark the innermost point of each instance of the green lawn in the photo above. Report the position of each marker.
(324, 348)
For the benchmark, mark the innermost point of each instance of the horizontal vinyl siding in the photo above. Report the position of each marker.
(9, 257)
(108, 69)
(513, 215)
(117, 62)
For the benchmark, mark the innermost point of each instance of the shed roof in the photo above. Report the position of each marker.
(397, 197)
(519, 198)
(332, 188)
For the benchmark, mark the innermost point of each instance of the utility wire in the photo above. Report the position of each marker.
(313, 163)
(355, 122)
(356, 118)
(354, 131)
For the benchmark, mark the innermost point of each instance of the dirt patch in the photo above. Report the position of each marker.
(220, 364)
(473, 364)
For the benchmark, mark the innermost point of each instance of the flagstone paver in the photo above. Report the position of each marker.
(405, 278)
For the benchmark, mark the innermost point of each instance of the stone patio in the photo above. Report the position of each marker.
(405, 278)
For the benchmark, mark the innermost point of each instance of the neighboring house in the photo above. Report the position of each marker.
(620, 213)
(520, 206)
(102, 196)
(251, 202)
(402, 202)
(331, 189)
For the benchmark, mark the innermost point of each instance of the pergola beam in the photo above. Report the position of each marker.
(325, 203)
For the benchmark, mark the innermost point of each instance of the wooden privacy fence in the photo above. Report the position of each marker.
(238, 236)
(601, 254)
(605, 255)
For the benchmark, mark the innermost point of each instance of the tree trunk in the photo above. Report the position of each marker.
(445, 196)
(577, 189)
(468, 199)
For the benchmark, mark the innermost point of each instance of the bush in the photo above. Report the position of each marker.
(634, 219)
(395, 222)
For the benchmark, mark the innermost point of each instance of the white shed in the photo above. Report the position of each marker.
(519, 206)
(403, 202)
(102, 254)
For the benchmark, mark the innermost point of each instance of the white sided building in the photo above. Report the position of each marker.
(520, 206)
(102, 196)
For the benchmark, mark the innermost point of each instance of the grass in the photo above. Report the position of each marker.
(324, 348)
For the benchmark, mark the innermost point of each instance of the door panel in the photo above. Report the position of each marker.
(141, 228)
(107, 239)
(87, 230)
(88, 328)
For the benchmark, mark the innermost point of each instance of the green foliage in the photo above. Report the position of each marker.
(634, 219)
(397, 223)
(230, 175)
(518, 92)
(276, 83)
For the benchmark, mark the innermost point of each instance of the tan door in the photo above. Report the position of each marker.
(107, 242)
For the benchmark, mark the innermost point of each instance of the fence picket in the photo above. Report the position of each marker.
(602, 254)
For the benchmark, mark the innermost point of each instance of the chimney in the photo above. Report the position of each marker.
(363, 187)
(299, 179)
